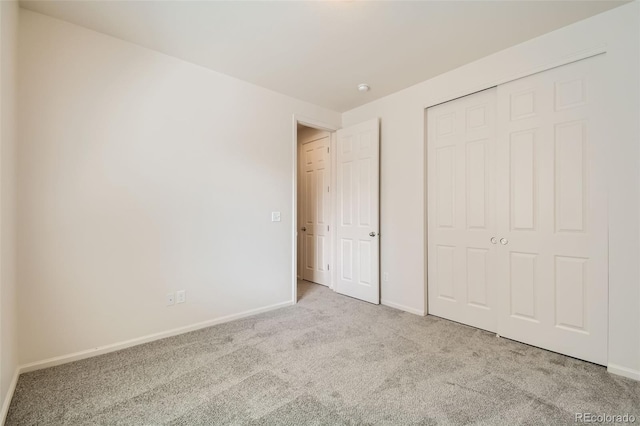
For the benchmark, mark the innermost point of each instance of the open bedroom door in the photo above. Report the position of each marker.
(358, 211)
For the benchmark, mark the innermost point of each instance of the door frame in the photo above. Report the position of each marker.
(298, 119)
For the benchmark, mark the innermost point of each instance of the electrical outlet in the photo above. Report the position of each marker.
(171, 299)
(181, 296)
(385, 277)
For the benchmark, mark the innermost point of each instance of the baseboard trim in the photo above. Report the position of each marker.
(402, 307)
(9, 396)
(100, 350)
(623, 371)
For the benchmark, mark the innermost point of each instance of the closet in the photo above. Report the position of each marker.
(517, 210)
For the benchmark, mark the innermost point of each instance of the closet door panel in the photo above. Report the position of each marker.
(461, 213)
(551, 211)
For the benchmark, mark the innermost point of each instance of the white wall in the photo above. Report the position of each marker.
(8, 296)
(403, 164)
(141, 174)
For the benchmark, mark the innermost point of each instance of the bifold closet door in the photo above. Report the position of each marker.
(531, 175)
(461, 212)
(552, 211)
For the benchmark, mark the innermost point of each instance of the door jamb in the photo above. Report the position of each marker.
(298, 119)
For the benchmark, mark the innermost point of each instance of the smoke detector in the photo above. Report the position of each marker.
(362, 87)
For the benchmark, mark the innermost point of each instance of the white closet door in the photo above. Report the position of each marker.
(357, 194)
(461, 216)
(551, 199)
(315, 211)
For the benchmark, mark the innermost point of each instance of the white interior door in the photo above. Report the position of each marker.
(358, 218)
(316, 211)
(552, 211)
(461, 213)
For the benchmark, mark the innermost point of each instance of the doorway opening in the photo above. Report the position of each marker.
(314, 211)
(336, 182)
(313, 215)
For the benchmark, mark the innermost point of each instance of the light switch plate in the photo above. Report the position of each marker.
(275, 216)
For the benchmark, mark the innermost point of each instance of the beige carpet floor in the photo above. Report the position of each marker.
(329, 360)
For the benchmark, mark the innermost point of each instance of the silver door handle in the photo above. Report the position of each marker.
(304, 228)
(504, 241)
(372, 234)
(494, 240)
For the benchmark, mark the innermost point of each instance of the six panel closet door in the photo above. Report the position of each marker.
(517, 210)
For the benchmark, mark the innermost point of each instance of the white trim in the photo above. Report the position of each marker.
(294, 213)
(402, 307)
(623, 371)
(425, 214)
(577, 56)
(9, 396)
(100, 350)
(334, 210)
(313, 123)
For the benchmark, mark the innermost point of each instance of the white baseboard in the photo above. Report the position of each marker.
(51, 362)
(9, 396)
(402, 307)
(623, 371)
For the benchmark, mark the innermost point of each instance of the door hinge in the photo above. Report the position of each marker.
(327, 150)
(327, 227)
(327, 189)
(328, 268)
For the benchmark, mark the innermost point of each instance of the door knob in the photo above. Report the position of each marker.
(304, 228)
(494, 240)
(504, 241)
(372, 234)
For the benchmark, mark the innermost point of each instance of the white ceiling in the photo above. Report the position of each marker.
(320, 51)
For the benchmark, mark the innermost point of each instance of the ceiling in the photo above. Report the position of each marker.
(320, 51)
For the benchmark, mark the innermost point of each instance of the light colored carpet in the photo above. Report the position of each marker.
(329, 360)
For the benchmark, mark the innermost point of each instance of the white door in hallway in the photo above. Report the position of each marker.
(461, 219)
(316, 212)
(552, 211)
(358, 207)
